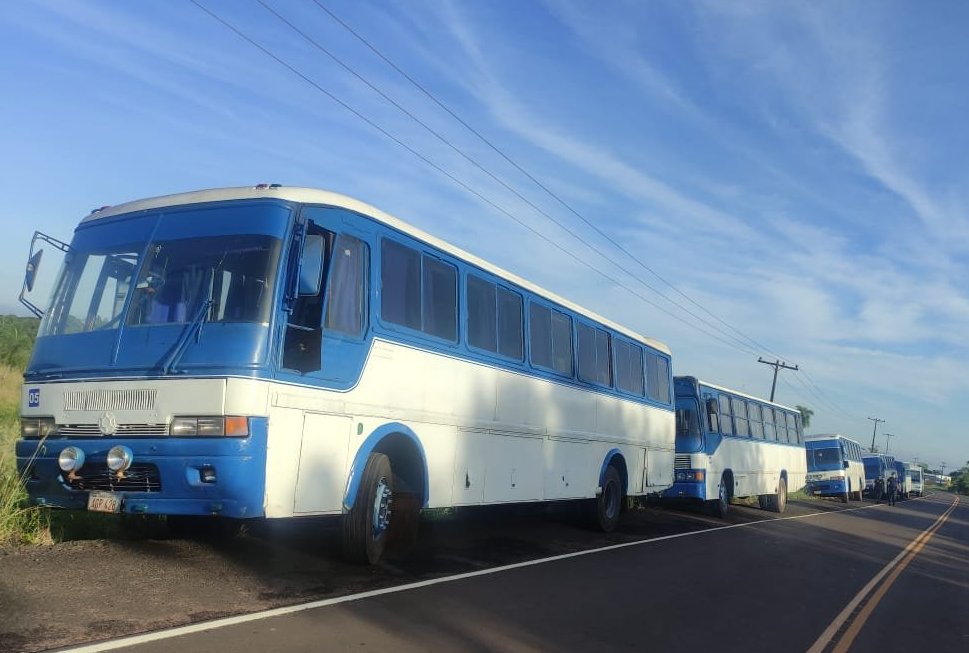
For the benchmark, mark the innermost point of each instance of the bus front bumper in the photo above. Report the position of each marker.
(826, 488)
(168, 476)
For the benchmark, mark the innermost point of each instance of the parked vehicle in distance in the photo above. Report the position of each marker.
(907, 474)
(918, 481)
(878, 468)
(281, 352)
(834, 466)
(729, 444)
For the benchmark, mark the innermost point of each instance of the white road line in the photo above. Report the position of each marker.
(178, 631)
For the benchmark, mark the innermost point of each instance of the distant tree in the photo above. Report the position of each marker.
(805, 415)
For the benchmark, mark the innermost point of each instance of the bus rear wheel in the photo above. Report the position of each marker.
(366, 525)
(607, 507)
(778, 502)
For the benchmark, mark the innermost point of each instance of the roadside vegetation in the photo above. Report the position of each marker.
(19, 523)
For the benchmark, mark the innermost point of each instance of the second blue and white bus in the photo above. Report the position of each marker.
(729, 444)
(277, 352)
(834, 467)
(878, 468)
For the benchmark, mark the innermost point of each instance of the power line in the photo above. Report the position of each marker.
(309, 39)
(431, 96)
(450, 176)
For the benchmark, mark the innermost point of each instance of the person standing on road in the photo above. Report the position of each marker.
(892, 489)
(879, 489)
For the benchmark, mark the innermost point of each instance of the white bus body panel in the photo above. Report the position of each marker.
(489, 435)
(756, 466)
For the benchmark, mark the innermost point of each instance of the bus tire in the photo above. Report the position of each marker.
(778, 502)
(365, 525)
(607, 507)
(720, 506)
(405, 527)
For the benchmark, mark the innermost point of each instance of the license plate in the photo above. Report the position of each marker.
(103, 502)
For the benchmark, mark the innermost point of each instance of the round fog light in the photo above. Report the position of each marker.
(119, 458)
(70, 459)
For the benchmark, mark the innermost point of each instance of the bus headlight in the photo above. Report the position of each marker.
(70, 459)
(119, 458)
(37, 427)
(690, 475)
(233, 426)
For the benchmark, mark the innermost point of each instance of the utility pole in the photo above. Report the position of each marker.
(887, 436)
(943, 470)
(777, 365)
(873, 431)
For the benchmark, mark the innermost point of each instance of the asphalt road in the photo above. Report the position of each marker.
(874, 578)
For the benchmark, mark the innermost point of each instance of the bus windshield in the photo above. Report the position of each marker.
(873, 468)
(824, 459)
(234, 272)
(688, 438)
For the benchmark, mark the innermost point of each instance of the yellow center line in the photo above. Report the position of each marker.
(892, 570)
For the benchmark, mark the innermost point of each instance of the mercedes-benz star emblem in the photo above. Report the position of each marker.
(108, 424)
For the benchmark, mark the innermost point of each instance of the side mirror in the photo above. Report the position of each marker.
(33, 265)
(311, 265)
(846, 464)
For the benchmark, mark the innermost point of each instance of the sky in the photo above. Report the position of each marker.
(775, 179)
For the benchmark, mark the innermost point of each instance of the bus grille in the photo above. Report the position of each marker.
(124, 431)
(110, 400)
(137, 478)
(681, 462)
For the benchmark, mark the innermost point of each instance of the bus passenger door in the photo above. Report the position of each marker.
(337, 316)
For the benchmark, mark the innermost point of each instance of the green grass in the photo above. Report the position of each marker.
(20, 523)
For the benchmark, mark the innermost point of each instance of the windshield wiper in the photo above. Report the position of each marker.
(175, 355)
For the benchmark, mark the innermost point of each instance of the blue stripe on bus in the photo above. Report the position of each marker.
(239, 463)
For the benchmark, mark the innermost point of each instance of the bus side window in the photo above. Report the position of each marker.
(756, 421)
(726, 422)
(769, 433)
(349, 283)
(740, 416)
(713, 414)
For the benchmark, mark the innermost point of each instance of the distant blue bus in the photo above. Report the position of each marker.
(835, 467)
(878, 467)
(909, 479)
(729, 444)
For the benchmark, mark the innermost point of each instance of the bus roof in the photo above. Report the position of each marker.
(316, 196)
(739, 393)
(829, 436)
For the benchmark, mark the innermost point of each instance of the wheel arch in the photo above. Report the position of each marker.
(615, 459)
(407, 460)
(727, 475)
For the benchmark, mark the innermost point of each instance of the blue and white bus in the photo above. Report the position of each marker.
(878, 468)
(908, 474)
(834, 467)
(729, 444)
(278, 352)
(918, 482)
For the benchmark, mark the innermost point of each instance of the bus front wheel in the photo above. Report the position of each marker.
(718, 507)
(366, 524)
